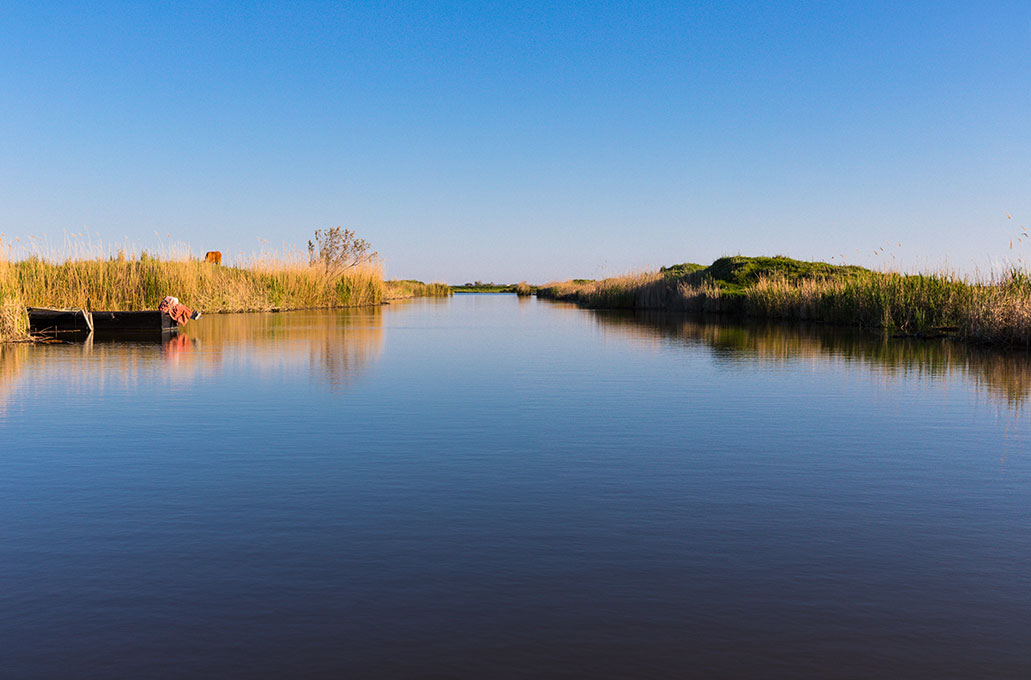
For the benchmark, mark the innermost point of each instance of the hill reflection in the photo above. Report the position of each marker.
(336, 348)
(1004, 374)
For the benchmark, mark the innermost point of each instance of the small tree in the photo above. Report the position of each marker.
(338, 249)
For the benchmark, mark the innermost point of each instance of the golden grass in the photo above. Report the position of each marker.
(128, 282)
(626, 291)
(407, 288)
(14, 322)
(997, 311)
(135, 284)
(637, 291)
(1002, 312)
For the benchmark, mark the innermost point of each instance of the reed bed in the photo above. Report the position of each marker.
(129, 282)
(915, 303)
(14, 322)
(1001, 313)
(403, 289)
(619, 292)
(995, 312)
(136, 284)
(522, 289)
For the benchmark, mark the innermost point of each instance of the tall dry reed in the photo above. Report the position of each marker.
(1002, 312)
(997, 311)
(402, 289)
(14, 322)
(618, 292)
(262, 283)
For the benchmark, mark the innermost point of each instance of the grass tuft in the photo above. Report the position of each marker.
(522, 289)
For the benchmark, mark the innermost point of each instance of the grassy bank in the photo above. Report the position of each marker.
(410, 288)
(484, 288)
(136, 283)
(521, 288)
(996, 311)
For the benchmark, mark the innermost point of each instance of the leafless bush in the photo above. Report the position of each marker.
(338, 249)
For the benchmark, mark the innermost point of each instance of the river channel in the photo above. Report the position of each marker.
(495, 487)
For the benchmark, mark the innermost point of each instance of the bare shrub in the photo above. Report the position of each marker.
(338, 249)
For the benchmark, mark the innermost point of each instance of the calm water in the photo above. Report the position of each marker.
(490, 487)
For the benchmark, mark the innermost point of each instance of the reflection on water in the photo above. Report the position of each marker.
(12, 356)
(332, 347)
(335, 348)
(1004, 374)
(489, 487)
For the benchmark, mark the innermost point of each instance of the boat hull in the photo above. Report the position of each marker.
(62, 321)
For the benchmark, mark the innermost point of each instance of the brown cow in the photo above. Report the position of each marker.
(213, 256)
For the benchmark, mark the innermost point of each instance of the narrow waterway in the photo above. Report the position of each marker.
(494, 487)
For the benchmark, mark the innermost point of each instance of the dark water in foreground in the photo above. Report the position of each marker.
(494, 488)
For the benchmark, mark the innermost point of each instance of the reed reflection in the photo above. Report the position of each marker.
(1004, 374)
(333, 347)
(12, 357)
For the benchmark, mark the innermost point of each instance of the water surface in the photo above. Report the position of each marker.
(495, 487)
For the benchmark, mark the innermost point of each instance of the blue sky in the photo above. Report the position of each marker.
(506, 141)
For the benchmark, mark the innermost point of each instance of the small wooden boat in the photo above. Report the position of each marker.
(54, 321)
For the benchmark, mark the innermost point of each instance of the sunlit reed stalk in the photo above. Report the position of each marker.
(14, 322)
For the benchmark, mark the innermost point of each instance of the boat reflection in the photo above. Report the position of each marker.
(336, 347)
(333, 347)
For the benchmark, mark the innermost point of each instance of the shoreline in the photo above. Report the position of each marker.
(139, 283)
(29, 338)
(996, 312)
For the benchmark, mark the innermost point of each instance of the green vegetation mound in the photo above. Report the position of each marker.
(679, 271)
(741, 272)
(922, 305)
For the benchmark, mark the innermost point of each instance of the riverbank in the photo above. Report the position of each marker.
(403, 289)
(993, 312)
(131, 283)
(521, 288)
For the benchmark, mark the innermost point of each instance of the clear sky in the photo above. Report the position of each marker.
(524, 140)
